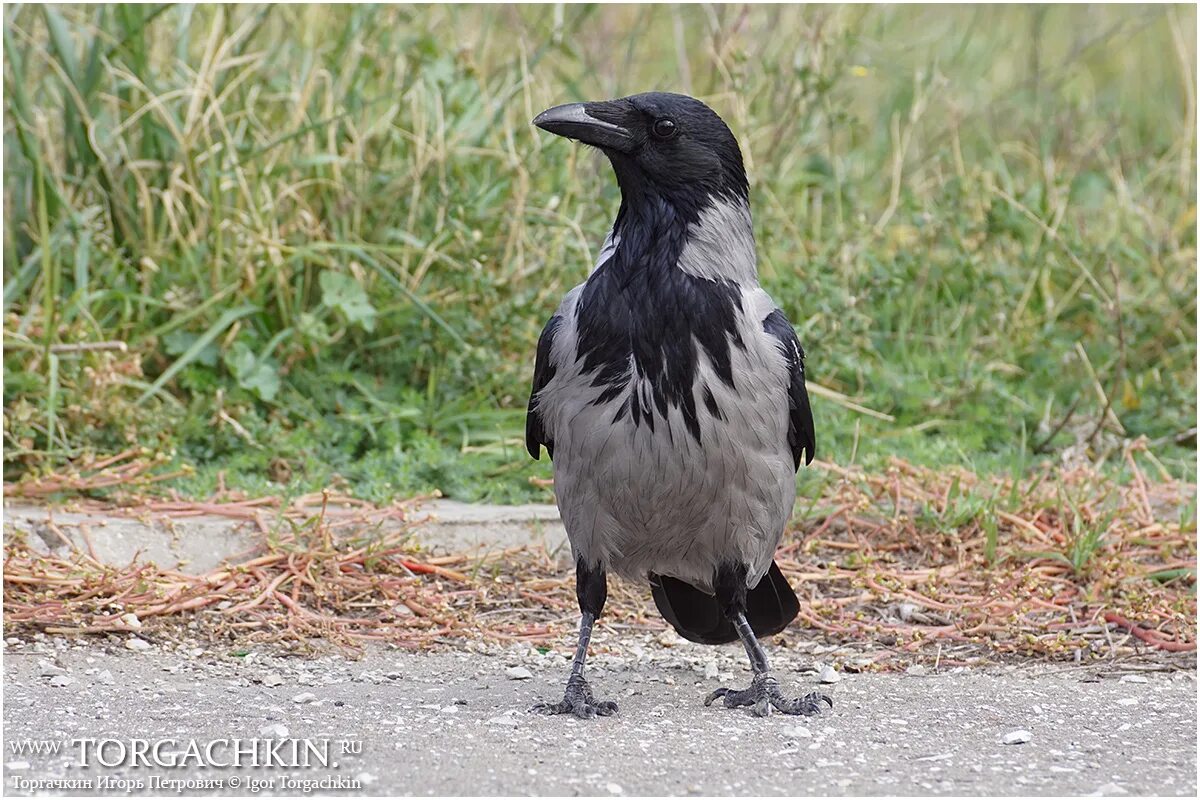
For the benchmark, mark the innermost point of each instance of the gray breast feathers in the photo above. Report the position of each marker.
(652, 495)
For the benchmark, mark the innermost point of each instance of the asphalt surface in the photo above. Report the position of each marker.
(456, 722)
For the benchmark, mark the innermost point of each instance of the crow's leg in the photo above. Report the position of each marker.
(763, 694)
(591, 587)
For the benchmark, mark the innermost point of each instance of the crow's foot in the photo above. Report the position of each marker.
(764, 694)
(578, 700)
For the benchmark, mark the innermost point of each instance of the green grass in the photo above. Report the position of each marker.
(328, 236)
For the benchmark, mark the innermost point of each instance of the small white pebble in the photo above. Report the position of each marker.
(1127, 701)
(1109, 790)
(1017, 737)
(508, 722)
(131, 619)
(137, 645)
(518, 673)
(48, 669)
(669, 638)
(275, 731)
(797, 732)
(304, 697)
(1134, 679)
(828, 675)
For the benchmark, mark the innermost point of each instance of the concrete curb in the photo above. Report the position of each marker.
(198, 544)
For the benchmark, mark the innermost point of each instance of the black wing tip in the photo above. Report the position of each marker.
(543, 373)
(535, 441)
(804, 451)
(801, 431)
(809, 442)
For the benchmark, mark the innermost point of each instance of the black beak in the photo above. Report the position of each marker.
(597, 124)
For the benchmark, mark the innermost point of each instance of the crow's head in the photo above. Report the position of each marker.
(662, 146)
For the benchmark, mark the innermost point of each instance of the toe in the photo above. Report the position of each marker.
(606, 708)
(737, 699)
(807, 706)
(734, 698)
(578, 702)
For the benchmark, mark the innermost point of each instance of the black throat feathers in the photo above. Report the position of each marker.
(643, 320)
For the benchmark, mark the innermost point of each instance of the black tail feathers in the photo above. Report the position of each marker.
(697, 616)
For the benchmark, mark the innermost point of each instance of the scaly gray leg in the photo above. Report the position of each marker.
(763, 693)
(591, 588)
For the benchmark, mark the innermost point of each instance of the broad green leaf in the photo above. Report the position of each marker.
(177, 343)
(228, 318)
(343, 293)
(254, 374)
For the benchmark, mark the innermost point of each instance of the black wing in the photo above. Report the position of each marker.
(801, 437)
(543, 372)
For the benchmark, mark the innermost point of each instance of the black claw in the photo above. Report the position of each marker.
(578, 700)
(763, 694)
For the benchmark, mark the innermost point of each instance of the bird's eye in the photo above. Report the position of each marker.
(663, 128)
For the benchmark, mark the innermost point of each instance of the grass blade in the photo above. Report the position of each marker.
(216, 329)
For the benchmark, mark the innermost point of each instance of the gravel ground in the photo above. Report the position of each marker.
(456, 722)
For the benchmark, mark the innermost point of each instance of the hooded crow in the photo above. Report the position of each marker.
(669, 392)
